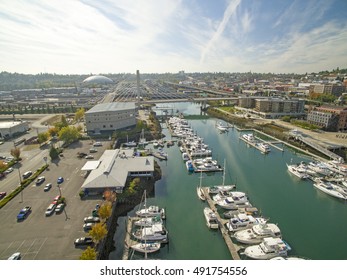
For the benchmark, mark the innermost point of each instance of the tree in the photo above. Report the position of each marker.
(42, 137)
(105, 210)
(15, 153)
(79, 114)
(98, 232)
(53, 153)
(62, 123)
(53, 131)
(88, 254)
(69, 134)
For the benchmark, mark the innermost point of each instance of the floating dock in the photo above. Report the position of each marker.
(233, 248)
(128, 241)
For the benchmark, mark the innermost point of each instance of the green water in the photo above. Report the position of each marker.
(313, 223)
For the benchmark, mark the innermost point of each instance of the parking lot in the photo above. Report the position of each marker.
(50, 238)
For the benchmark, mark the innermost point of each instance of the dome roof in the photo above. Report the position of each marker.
(97, 80)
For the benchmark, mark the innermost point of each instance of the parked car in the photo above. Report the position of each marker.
(55, 200)
(15, 256)
(8, 170)
(92, 150)
(40, 180)
(92, 219)
(82, 241)
(97, 144)
(23, 213)
(89, 157)
(47, 187)
(27, 174)
(50, 209)
(81, 155)
(88, 226)
(60, 180)
(59, 208)
(2, 195)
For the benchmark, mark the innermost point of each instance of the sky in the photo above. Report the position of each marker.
(159, 36)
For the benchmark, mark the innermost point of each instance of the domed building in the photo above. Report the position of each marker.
(97, 79)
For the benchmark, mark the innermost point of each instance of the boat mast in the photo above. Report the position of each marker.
(224, 172)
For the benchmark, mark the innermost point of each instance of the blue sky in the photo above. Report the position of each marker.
(157, 36)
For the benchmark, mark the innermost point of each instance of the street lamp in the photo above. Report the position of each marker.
(59, 189)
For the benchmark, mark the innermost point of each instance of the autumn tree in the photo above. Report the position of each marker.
(79, 115)
(88, 254)
(105, 210)
(62, 123)
(15, 153)
(53, 131)
(98, 232)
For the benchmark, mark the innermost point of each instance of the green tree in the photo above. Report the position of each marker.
(62, 123)
(98, 232)
(42, 137)
(53, 131)
(15, 153)
(88, 254)
(69, 134)
(53, 153)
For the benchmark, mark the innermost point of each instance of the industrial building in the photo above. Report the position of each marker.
(113, 168)
(10, 129)
(108, 117)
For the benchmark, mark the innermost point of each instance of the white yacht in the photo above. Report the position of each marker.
(227, 203)
(270, 248)
(185, 156)
(248, 137)
(329, 189)
(149, 221)
(221, 188)
(257, 233)
(211, 218)
(156, 232)
(293, 169)
(243, 221)
(222, 127)
(151, 211)
(146, 247)
(238, 197)
(264, 148)
(320, 168)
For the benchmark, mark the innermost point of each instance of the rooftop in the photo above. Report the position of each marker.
(9, 124)
(114, 106)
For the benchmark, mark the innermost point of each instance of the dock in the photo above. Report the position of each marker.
(270, 143)
(233, 248)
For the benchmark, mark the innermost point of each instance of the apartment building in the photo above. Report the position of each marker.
(329, 117)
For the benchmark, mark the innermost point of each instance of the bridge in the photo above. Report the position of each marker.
(190, 99)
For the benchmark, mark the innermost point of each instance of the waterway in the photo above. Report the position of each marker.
(312, 223)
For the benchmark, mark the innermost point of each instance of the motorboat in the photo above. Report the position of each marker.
(227, 203)
(222, 127)
(151, 211)
(238, 197)
(190, 166)
(146, 247)
(329, 189)
(248, 210)
(130, 143)
(293, 169)
(257, 233)
(211, 218)
(248, 137)
(271, 247)
(243, 221)
(320, 168)
(185, 156)
(149, 221)
(263, 147)
(156, 232)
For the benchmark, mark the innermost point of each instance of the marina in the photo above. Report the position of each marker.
(271, 188)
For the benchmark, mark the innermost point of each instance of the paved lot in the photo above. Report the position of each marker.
(49, 238)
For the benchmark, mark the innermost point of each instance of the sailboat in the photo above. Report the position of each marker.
(130, 144)
(144, 246)
(142, 140)
(218, 188)
(199, 190)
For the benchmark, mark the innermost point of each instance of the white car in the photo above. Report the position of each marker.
(15, 256)
(50, 209)
(8, 170)
(89, 157)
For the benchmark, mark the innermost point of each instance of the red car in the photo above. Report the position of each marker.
(2, 195)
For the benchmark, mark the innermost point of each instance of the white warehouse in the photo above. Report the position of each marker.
(12, 128)
(108, 117)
